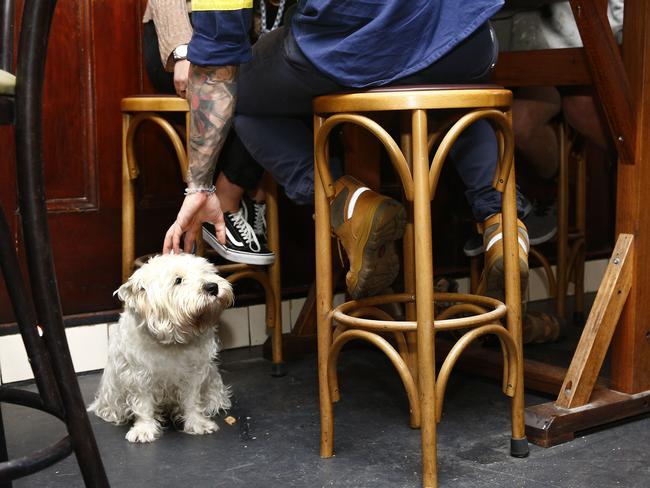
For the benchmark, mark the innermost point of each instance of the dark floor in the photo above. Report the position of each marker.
(275, 441)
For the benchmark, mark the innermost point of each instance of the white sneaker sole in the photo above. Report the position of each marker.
(236, 256)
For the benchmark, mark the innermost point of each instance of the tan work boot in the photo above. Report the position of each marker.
(367, 225)
(493, 279)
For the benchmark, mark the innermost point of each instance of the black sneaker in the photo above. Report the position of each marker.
(255, 215)
(242, 246)
(541, 222)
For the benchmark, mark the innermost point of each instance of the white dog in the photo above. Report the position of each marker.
(162, 353)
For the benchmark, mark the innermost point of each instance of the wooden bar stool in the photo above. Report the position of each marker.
(152, 108)
(414, 356)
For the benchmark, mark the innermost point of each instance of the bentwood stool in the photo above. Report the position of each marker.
(413, 356)
(38, 312)
(152, 108)
(570, 238)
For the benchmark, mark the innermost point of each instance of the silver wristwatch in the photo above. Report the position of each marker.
(180, 52)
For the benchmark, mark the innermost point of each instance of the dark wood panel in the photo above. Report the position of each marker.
(542, 68)
(94, 59)
(69, 125)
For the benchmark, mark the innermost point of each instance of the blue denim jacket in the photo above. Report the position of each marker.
(373, 42)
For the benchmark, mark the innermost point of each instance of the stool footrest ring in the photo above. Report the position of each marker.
(495, 310)
(41, 459)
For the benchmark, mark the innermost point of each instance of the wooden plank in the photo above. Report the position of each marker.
(609, 75)
(599, 329)
(552, 67)
(548, 425)
(630, 364)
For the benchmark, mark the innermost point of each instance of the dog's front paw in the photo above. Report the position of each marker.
(199, 425)
(145, 432)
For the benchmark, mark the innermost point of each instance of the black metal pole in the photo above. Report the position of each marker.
(26, 318)
(34, 34)
(3, 450)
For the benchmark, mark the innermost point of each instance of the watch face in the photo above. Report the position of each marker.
(180, 52)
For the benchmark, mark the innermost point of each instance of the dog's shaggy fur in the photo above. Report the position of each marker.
(162, 354)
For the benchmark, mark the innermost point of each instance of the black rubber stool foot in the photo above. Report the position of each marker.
(519, 448)
(278, 369)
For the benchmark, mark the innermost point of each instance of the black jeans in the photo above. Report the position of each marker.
(275, 94)
(161, 80)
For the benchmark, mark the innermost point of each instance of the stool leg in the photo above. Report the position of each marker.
(408, 247)
(474, 273)
(581, 224)
(323, 305)
(424, 297)
(278, 367)
(128, 206)
(518, 443)
(562, 225)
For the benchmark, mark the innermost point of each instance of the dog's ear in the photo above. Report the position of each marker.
(129, 290)
(228, 294)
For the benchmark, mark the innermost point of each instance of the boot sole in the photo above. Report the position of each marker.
(380, 263)
(495, 279)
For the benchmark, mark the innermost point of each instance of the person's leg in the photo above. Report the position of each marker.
(161, 80)
(280, 80)
(245, 219)
(284, 147)
(532, 111)
(238, 173)
(275, 93)
(475, 152)
(582, 114)
(229, 193)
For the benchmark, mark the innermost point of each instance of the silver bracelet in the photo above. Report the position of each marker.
(191, 191)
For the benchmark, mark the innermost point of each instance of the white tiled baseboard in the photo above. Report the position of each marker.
(240, 327)
(88, 347)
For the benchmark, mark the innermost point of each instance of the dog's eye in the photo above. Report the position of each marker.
(178, 281)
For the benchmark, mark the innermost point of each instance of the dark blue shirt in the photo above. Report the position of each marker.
(220, 37)
(363, 43)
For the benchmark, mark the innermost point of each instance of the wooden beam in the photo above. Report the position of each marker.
(549, 67)
(548, 425)
(630, 361)
(599, 329)
(608, 72)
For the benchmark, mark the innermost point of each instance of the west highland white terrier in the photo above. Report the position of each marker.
(162, 354)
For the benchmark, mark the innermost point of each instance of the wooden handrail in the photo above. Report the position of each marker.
(608, 74)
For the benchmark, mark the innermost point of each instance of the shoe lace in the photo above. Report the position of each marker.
(259, 222)
(245, 231)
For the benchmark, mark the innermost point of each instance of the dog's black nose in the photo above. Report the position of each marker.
(211, 288)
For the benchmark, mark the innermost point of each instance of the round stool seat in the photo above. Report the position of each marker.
(422, 97)
(154, 103)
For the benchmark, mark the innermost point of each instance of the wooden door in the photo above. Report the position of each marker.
(94, 59)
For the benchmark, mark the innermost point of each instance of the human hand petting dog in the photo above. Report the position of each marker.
(196, 209)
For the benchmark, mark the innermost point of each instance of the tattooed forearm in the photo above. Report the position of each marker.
(212, 92)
